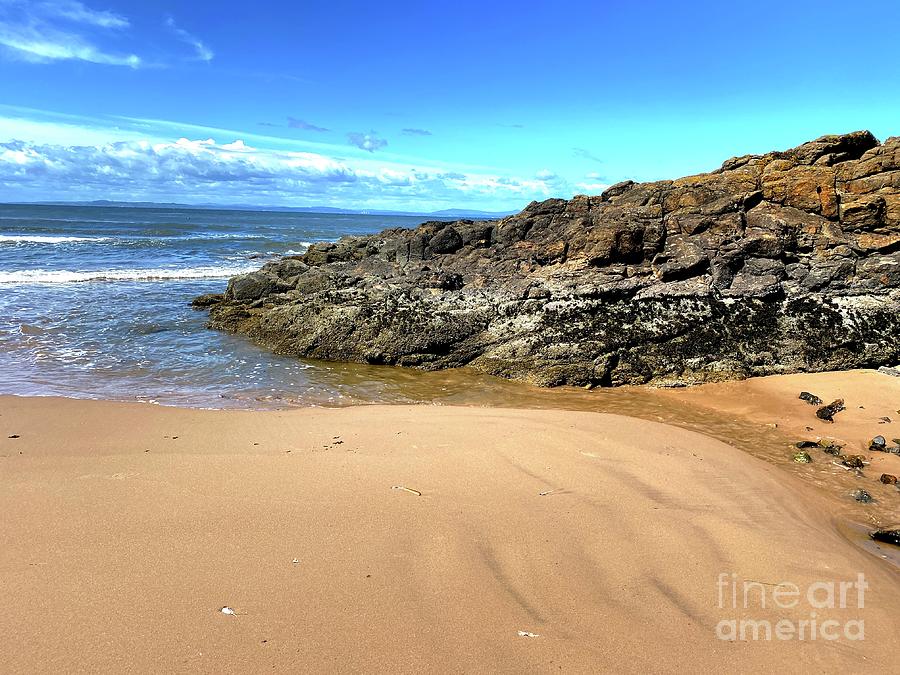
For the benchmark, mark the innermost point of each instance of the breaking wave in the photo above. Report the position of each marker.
(38, 239)
(69, 276)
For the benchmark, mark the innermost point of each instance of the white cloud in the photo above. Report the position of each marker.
(202, 52)
(591, 188)
(43, 32)
(62, 130)
(204, 170)
(369, 142)
(593, 183)
(40, 46)
(77, 12)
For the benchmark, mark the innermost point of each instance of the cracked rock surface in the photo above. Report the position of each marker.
(775, 263)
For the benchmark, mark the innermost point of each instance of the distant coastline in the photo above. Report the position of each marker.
(443, 213)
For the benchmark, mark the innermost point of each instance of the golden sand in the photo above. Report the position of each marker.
(541, 539)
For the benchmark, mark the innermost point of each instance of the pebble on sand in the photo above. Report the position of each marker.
(854, 461)
(812, 399)
(861, 496)
(887, 536)
(827, 412)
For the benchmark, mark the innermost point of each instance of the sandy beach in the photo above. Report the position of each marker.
(531, 540)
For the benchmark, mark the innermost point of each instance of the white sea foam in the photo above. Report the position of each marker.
(38, 239)
(69, 276)
(305, 246)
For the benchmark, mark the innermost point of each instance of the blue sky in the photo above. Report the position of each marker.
(421, 106)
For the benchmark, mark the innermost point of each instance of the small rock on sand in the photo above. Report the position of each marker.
(877, 444)
(830, 447)
(812, 399)
(854, 461)
(827, 412)
(888, 479)
(887, 536)
(861, 496)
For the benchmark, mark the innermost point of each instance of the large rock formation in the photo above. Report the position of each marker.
(784, 262)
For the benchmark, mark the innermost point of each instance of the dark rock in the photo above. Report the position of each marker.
(680, 259)
(806, 444)
(854, 461)
(448, 240)
(616, 190)
(812, 399)
(829, 447)
(443, 280)
(827, 412)
(887, 536)
(833, 149)
(14, 436)
(861, 496)
(878, 444)
(248, 287)
(207, 300)
(888, 479)
(776, 263)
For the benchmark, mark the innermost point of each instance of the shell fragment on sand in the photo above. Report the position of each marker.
(526, 634)
(406, 489)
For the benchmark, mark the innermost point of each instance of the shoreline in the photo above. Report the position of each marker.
(761, 416)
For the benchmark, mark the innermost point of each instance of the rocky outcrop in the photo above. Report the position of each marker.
(783, 262)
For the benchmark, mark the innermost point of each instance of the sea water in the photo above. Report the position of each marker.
(95, 303)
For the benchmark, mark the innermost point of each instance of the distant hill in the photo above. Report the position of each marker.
(466, 213)
(444, 213)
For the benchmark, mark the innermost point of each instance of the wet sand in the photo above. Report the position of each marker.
(773, 406)
(127, 527)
